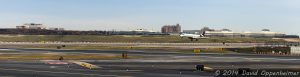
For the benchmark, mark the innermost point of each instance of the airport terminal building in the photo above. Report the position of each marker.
(265, 33)
(262, 34)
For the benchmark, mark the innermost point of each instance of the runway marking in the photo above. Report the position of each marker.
(203, 60)
(288, 59)
(260, 59)
(7, 76)
(228, 57)
(55, 62)
(85, 64)
(125, 70)
(55, 72)
(125, 76)
(208, 69)
(253, 59)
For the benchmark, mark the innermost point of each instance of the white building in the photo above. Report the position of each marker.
(263, 34)
(229, 33)
(32, 26)
(295, 50)
(222, 34)
(143, 30)
(57, 29)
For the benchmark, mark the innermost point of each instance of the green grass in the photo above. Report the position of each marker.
(125, 39)
(96, 47)
(167, 49)
(8, 51)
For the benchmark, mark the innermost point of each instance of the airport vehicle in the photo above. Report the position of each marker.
(195, 36)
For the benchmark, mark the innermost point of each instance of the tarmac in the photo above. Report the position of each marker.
(153, 64)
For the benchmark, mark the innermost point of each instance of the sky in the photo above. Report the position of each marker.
(237, 15)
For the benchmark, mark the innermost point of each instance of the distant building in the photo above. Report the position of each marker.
(222, 33)
(201, 31)
(265, 33)
(57, 29)
(22, 27)
(142, 30)
(295, 50)
(192, 31)
(31, 26)
(171, 29)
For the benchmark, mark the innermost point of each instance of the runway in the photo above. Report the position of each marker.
(153, 64)
(177, 45)
(37, 69)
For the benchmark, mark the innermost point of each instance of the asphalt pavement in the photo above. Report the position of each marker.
(153, 64)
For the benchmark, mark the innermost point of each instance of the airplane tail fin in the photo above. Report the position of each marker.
(203, 34)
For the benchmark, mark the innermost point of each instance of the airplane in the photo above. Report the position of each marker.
(193, 36)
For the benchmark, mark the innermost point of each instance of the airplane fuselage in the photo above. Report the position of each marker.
(193, 36)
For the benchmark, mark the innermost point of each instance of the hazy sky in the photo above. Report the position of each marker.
(238, 15)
